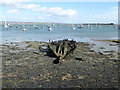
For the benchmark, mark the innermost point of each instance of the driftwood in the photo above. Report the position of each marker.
(61, 49)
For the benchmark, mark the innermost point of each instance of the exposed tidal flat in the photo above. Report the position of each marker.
(93, 65)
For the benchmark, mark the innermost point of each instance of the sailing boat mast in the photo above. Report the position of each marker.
(5, 25)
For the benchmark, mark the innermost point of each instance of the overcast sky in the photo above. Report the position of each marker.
(63, 12)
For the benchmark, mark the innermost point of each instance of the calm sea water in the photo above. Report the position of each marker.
(15, 33)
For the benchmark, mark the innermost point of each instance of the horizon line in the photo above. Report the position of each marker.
(60, 22)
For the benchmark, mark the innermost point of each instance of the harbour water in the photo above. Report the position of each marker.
(40, 32)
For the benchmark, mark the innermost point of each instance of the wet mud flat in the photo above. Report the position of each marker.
(24, 65)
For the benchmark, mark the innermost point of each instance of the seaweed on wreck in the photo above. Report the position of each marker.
(61, 49)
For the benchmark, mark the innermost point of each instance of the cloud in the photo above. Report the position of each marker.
(28, 6)
(11, 2)
(110, 16)
(54, 11)
(40, 17)
(60, 12)
(13, 11)
(23, 18)
(48, 14)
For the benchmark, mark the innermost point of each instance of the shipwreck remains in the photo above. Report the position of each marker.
(61, 49)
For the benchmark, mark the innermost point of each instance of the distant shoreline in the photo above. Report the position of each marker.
(12, 22)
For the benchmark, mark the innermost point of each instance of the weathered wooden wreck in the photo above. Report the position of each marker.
(61, 49)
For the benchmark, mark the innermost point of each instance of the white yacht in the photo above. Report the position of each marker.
(49, 28)
(73, 28)
(24, 29)
(5, 25)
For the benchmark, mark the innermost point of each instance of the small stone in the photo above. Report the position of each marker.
(100, 53)
(93, 65)
(80, 59)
